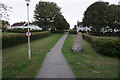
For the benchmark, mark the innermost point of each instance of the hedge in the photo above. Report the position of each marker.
(22, 31)
(72, 32)
(105, 46)
(106, 34)
(83, 31)
(12, 40)
(57, 31)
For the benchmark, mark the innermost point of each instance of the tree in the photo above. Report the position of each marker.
(112, 16)
(4, 11)
(4, 15)
(45, 13)
(100, 15)
(4, 25)
(94, 15)
(60, 23)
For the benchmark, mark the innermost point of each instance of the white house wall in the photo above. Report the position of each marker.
(32, 27)
(81, 28)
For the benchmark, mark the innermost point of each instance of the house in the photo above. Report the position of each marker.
(34, 26)
(24, 25)
(79, 27)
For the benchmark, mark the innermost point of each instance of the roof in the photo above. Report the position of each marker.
(19, 24)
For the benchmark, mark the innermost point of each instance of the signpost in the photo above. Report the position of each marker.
(28, 33)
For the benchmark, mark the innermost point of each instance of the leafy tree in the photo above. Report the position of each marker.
(94, 15)
(101, 14)
(45, 13)
(4, 15)
(60, 23)
(117, 16)
(4, 25)
(112, 16)
(4, 11)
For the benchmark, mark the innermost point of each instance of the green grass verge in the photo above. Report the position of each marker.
(15, 59)
(89, 64)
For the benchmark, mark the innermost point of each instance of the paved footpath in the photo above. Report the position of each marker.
(55, 65)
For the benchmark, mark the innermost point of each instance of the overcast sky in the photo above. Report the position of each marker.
(72, 10)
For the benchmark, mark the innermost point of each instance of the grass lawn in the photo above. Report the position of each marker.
(89, 64)
(15, 59)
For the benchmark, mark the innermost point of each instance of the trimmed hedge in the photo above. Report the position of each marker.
(56, 31)
(22, 31)
(109, 47)
(12, 40)
(83, 31)
(106, 34)
(72, 32)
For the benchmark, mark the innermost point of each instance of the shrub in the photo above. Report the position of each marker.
(73, 32)
(22, 31)
(12, 40)
(57, 31)
(109, 47)
(106, 34)
(82, 31)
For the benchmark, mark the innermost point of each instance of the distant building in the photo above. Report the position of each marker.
(24, 25)
(79, 27)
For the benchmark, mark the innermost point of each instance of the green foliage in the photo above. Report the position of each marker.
(22, 31)
(4, 25)
(45, 12)
(48, 15)
(101, 14)
(72, 32)
(60, 23)
(82, 31)
(106, 34)
(12, 40)
(57, 31)
(109, 47)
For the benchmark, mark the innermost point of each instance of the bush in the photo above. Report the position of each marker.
(106, 34)
(109, 47)
(82, 31)
(12, 40)
(22, 31)
(57, 31)
(73, 32)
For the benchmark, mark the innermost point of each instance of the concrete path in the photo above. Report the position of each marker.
(55, 65)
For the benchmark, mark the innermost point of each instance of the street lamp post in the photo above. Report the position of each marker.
(29, 53)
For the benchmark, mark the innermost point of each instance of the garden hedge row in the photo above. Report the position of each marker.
(56, 31)
(106, 34)
(12, 40)
(72, 32)
(106, 46)
(22, 31)
(82, 31)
